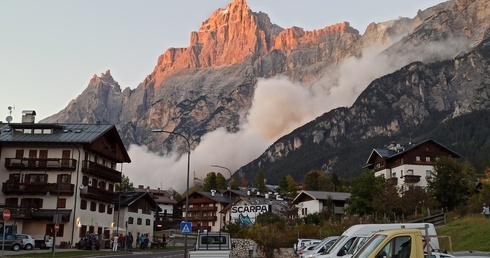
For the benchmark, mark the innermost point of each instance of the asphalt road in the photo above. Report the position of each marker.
(166, 254)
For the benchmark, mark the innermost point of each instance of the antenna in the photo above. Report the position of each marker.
(9, 117)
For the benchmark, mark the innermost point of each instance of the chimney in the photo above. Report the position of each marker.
(213, 192)
(28, 116)
(141, 186)
(248, 192)
(266, 196)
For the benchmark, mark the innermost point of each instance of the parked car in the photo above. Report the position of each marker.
(302, 242)
(11, 242)
(320, 248)
(28, 241)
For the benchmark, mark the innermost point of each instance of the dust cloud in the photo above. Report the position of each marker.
(279, 106)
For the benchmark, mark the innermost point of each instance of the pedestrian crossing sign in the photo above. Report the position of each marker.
(185, 228)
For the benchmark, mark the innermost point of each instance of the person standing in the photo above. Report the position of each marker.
(115, 243)
(129, 242)
(486, 211)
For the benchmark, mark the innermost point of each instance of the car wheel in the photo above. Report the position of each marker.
(28, 247)
(16, 247)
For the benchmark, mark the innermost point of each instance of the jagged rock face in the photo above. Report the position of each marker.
(391, 104)
(210, 83)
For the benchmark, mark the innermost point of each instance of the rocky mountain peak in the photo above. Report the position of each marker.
(227, 37)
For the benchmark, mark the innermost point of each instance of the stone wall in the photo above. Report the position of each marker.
(249, 248)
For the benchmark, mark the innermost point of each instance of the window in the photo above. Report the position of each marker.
(94, 182)
(401, 173)
(85, 180)
(148, 222)
(64, 179)
(428, 173)
(83, 231)
(378, 165)
(410, 172)
(36, 178)
(62, 203)
(139, 221)
(109, 210)
(393, 174)
(417, 158)
(83, 204)
(32, 202)
(93, 206)
(101, 207)
(427, 159)
(130, 220)
(111, 187)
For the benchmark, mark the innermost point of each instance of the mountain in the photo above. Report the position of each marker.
(211, 84)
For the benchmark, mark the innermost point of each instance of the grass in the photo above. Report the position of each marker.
(79, 253)
(470, 233)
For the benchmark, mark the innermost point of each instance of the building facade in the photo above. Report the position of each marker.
(310, 202)
(60, 173)
(135, 214)
(204, 210)
(411, 166)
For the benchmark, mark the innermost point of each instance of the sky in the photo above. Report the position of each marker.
(49, 50)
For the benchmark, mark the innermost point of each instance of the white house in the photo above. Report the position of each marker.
(407, 166)
(309, 202)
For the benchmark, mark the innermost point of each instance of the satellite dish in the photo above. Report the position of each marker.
(9, 119)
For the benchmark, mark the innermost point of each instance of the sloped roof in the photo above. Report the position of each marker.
(129, 198)
(61, 133)
(320, 195)
(389, 154)
(277, 205)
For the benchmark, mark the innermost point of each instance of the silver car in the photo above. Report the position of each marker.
(28, 241)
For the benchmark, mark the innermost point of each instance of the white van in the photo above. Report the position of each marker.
(303, 242)
(319, 248)
(354, 237)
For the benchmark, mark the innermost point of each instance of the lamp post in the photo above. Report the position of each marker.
(217, 166)
(188, 169)
(55, 217)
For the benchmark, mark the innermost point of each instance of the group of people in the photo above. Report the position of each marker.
(122, 241)
(126, 241)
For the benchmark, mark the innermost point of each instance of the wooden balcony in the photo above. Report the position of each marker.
(44, 164)
(99, 170)
(203, 218)
(203, 208)
(392, 180)
(98, 194)
(38, 189)
(411, 179)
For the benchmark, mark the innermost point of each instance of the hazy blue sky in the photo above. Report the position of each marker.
(50, 49)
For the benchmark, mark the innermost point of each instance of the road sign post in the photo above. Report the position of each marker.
(56, 227)
(185, 228)
(6, 217)
(6, 214)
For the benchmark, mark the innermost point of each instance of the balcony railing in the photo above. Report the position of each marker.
(40, 164)
(37, 189)
(203, 218)
(411, 179)
(203, 208)
(95, 169)
(98, 194)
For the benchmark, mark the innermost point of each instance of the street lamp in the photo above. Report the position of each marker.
(217, 166)
(188, 168)
(55, 217)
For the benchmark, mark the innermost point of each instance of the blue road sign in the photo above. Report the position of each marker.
(185, 227)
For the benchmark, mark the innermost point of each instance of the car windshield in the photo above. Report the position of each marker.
(369, 247)
(339, 241)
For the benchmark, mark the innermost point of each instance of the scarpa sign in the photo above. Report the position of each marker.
(247, 214)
